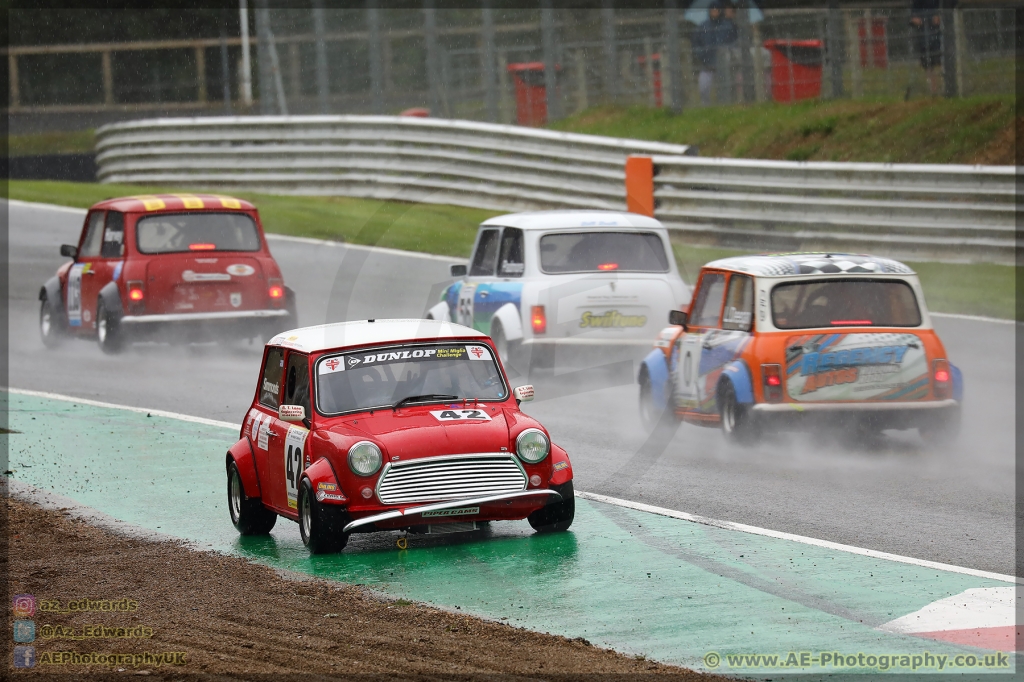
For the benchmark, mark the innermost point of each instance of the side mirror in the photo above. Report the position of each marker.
(69, 251)
(291, 413)
(677, 317)
(459, 270)
(523, 394)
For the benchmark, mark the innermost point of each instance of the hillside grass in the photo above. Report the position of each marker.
(973, 289)
(973, 130)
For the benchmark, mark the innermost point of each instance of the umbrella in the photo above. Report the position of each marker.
(697, 12)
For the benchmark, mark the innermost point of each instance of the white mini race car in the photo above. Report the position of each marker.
(573, 281)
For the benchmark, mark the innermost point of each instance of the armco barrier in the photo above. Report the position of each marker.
(952, 212)
(385, 157)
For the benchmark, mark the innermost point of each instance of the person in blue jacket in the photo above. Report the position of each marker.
(926, 25)
(717, 31)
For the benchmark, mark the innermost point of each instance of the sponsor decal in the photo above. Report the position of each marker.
(328, 487)
(320, 495)
(206, 260)
(294, 446)
(460, 511)
(151, 203)
(331, 497)
(263, 441)
(254, 431)
(86, 316)
(190, 200)
(292, 411)
(331, 365)
(74, 296)
(191, 276)
(478, 353)
(269, 387)
(240, 270)
(117, 269)
(734, 316)
(236, 300)
(460, 415)
(353, 361)
(612, 319)
(561, 465)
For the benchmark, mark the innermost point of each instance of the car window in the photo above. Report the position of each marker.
(270, 382)
(185, 232)
(602, 252)
(296, 388)
(486, 255)
(844, 303)
(739, 304)
(510, 260)
(113, 236)
(93, 236)
(708, 307)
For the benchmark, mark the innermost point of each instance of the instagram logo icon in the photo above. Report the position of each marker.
(24, 605)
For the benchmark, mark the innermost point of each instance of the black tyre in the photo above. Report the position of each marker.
(248, 514)
(51, 328)
(556, 516)
(320, 525)
(652, 416)
(738, 422)
(942, 432)
(109, 333)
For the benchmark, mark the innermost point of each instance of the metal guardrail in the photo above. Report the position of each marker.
(952, 212)
(443, 161)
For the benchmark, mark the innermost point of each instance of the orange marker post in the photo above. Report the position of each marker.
(640, 185)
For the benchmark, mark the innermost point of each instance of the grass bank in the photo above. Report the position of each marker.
(973, 289)
(969, 130)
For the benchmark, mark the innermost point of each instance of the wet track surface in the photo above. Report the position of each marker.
(890, 493)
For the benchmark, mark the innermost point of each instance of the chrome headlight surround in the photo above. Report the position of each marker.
(365, 458)
(532, 446)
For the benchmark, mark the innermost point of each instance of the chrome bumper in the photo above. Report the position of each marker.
(450, 504)
(855, 407)
(203, 317)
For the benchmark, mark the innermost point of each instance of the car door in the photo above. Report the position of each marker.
(266, 432)
(296, 392)
(722, 346)
(506, 285)
(80, 297)
(704, 319)
(104, 269)
(481, 270)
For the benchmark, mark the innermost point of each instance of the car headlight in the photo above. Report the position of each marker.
(364, 458)
(532, 446)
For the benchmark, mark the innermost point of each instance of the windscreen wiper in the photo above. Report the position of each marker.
(427, 397)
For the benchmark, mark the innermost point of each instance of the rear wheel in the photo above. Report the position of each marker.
(50, 329)
(248, 514)
(738, 423)
(556, 516)
(109, 334)
(320, 525)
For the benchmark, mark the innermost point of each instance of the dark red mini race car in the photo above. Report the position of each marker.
(391, 424)
(167, 267)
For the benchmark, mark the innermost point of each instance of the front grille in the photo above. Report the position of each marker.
(450, 478)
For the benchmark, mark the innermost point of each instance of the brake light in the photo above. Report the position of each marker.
(851, 323)
(538, 320)
(135, 295)
(202, 247)
(772, 376)
(276, 291)
(608, 266)
(942, 380)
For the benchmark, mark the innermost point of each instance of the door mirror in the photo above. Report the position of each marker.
(458, 270)
(68, 251)
(677, 317)
(291, 413)
(523, 394)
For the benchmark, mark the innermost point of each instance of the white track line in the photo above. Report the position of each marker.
(52, 207)
(754, 530)
(638, 506)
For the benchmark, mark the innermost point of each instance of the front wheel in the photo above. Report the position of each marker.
(109, 334)
(320, 525)
(737, 419)
(653, 416)
(556, 516)
(248, 515)
(50, 329)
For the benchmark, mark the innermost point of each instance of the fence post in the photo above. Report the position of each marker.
(760, 94)
(670, 59)
(225, 73)
(834, 48)
(640, 185)
(505, 102)
(547, 28)
(580, 59)
(488, 63)
(373, 45)
(245, 83)
(430, 37)
(652, 96)
(323, 87)
(961, 49)
(949, 51)
(12, 71)
(611, 80)
(853, 54)
(201, 92)
(263, 59)
(746, 45)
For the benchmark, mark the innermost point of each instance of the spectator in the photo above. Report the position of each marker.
(718, 31)
(926, 25)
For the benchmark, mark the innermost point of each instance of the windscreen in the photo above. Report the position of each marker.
(383, 377)
(844, 303)
(602, 252)
(191, 232)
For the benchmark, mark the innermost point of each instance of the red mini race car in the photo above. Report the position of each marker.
(190, 266)
(391, 424)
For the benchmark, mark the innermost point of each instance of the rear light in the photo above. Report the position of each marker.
(942, 380)
(772, 376)
(135, 296)
(538, 320)
(608, 266)
(202, 247)
(276, 291)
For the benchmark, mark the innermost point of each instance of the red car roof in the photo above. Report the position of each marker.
(174, 202)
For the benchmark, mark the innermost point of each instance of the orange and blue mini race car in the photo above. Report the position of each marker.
(787, 340)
